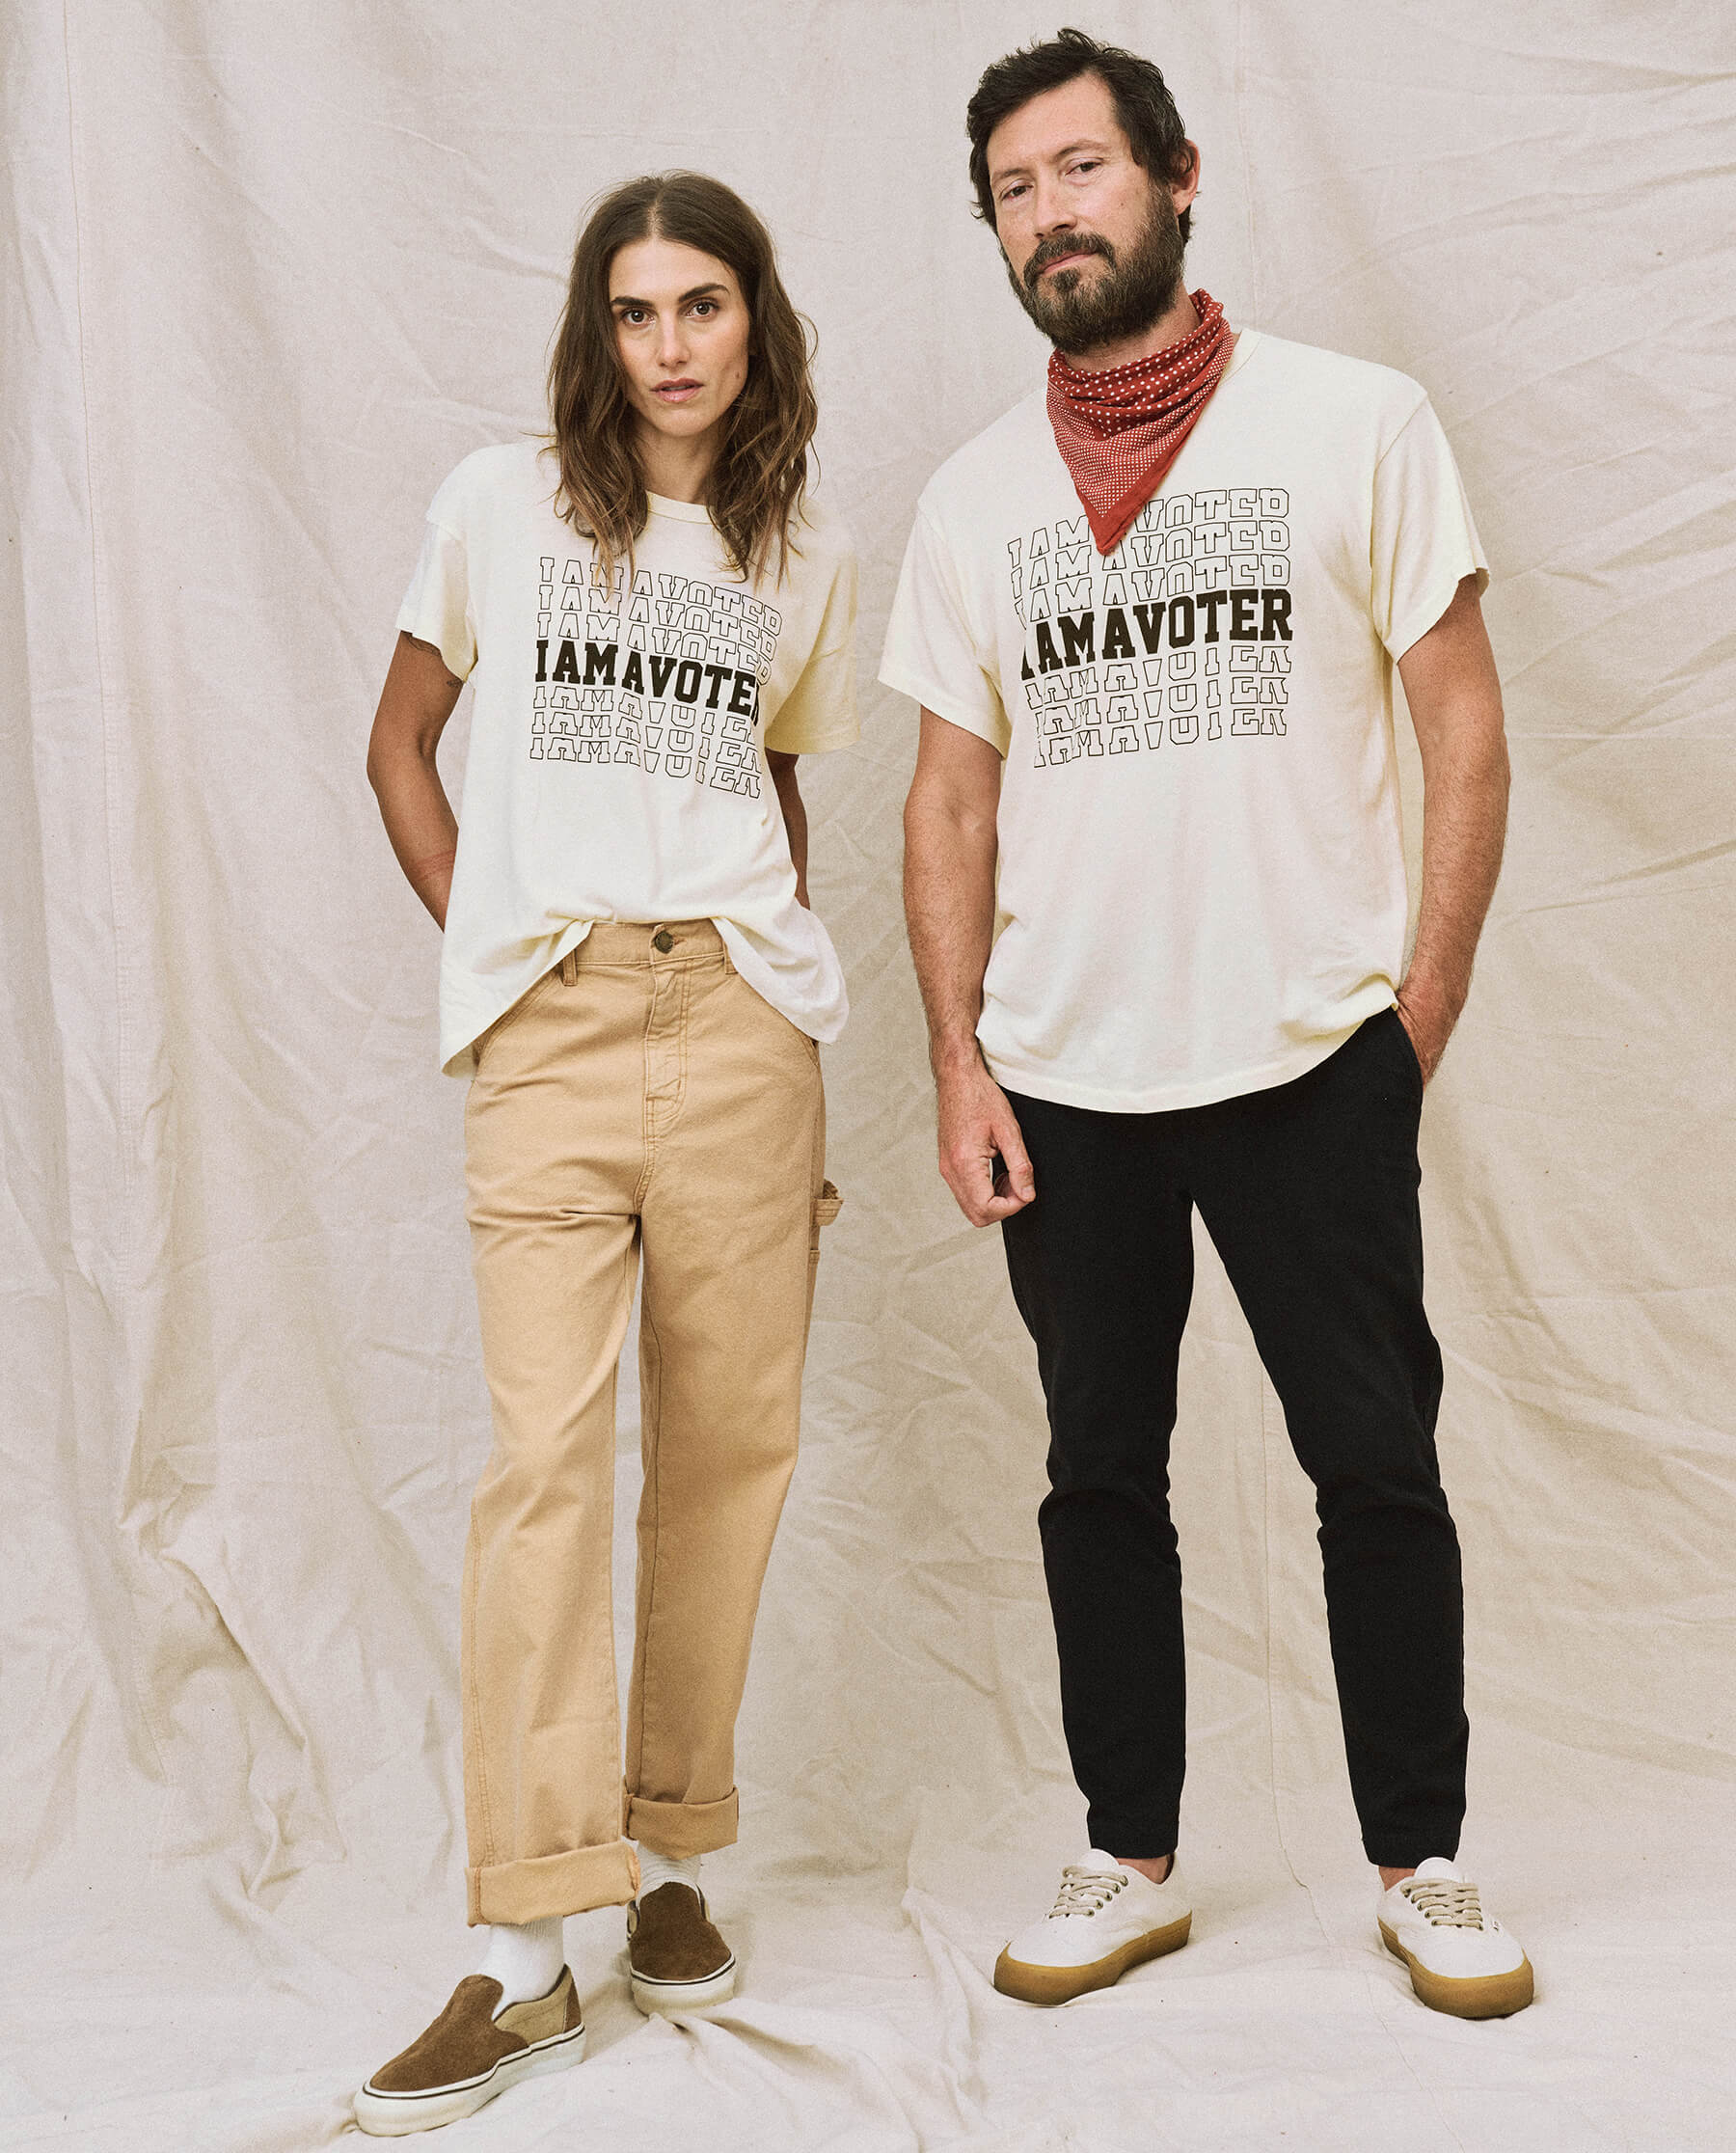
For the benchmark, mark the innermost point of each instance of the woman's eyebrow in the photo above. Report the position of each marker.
(699, 291)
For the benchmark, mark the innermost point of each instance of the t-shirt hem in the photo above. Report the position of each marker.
(822, 1028)
(1166, 1099)
(824, 1025)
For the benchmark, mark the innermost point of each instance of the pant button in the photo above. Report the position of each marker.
(663, 939)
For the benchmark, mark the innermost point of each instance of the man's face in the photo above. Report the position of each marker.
(1092, 240)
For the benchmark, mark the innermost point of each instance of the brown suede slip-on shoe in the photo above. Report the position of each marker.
(678, 1960)
(471, 2051)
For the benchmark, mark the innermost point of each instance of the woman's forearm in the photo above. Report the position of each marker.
(420, 822)
(794, 817)
(415, 705)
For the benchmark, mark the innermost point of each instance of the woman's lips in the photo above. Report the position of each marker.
(677, 391)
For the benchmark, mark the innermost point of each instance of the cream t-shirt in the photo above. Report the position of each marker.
(1202, 882)
(618, 752)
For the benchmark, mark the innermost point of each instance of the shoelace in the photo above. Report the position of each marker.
(1445, 1903)
(1085, 1890)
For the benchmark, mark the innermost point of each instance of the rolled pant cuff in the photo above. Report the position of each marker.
(679, 1828)
(570, 1883)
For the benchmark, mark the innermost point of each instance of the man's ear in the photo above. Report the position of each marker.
(1188, 186)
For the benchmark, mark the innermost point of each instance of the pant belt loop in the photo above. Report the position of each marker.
(569, 969)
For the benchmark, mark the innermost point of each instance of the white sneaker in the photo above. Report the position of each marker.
(1460, 1958)
(1104, 1920)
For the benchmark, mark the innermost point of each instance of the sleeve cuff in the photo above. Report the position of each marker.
(817, 743)
(985, 724)
(1426, 612)
(457, 663)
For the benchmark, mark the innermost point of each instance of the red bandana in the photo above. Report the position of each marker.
(1119, 431)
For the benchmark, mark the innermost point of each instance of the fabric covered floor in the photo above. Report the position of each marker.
(269, 273)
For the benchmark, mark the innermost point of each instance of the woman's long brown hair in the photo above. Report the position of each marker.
(757, 483)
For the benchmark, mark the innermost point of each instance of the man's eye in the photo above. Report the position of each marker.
(1011, 193)
(1084, 170)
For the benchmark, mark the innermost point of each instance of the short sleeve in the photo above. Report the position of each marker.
(1424, 542)
(932, 653)
(819, 712)
(437, 607)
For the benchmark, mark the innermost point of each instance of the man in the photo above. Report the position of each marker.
(1151, 616)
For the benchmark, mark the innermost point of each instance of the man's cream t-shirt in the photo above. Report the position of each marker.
(618, 752)
(1202, 882)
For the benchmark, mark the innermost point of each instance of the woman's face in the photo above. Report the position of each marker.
(681, 328)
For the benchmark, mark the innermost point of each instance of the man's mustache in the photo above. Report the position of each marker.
(1064, 243)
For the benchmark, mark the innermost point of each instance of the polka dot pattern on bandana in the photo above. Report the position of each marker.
(1119, 430)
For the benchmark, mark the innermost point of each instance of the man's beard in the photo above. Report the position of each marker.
(1137, 288)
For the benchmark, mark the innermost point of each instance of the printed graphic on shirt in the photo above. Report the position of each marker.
(666, 675)
(1181, 634)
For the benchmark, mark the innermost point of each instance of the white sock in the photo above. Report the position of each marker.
(658, 1868)
(526, 1958)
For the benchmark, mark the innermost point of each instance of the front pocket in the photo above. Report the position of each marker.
(1407, 1048)
(534, 992)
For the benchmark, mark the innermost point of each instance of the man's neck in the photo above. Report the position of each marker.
(1178, 320)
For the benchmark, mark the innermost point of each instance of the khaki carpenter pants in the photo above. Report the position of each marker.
(641, 1105)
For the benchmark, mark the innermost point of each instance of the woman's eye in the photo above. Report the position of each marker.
(705, 308)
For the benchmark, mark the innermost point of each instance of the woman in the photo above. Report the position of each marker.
(657, 627)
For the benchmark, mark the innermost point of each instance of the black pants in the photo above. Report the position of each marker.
(1309, 1191)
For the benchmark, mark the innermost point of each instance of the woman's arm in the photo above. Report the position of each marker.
(415, 705)
(795, 816)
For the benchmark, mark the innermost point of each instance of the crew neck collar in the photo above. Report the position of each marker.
(1247, 343)
(683, 511)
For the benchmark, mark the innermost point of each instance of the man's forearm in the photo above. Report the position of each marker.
(1464, 830)
(950, 849)
(949, 907)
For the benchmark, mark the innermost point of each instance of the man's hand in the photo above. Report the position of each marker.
(1429, 1024)
(978, 1133)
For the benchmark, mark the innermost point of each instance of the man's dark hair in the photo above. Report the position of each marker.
(1143, 106)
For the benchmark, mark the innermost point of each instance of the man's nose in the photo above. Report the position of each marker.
(1054, 211)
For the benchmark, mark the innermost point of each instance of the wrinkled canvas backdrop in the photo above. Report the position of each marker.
(270, 274)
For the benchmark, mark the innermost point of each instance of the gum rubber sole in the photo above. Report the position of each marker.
(665, 1999)
(1471, 1996)
(1060, 1984)
(398, 2115)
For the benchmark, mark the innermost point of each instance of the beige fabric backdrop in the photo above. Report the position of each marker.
(270, 272)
